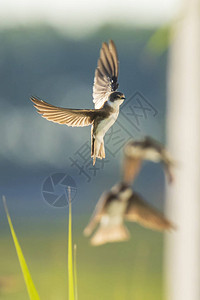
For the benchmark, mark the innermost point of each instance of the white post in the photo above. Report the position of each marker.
(182, 252)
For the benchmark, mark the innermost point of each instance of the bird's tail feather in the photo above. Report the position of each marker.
(112, 234)
(97, 151)
(92, 146)
(102, 151)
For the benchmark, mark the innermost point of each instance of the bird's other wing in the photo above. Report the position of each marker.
(132, 161)
(98, 213)
(69, 117)
(143, 213)
(106, 74)
(131, 168)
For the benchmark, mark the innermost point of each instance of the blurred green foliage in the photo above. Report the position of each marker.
(129, 270)
(32, 292)
(160, 40)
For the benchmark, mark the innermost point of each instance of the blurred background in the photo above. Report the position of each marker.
(50, 49)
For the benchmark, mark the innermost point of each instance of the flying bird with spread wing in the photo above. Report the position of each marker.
(122, 203)
(119, 204)
(135, 152)
(106, 101)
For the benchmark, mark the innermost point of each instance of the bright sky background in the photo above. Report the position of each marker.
(80, 16)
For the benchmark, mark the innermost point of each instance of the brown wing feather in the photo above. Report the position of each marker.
(98, 213)
(113, 51)
(70, 117)
(139, 211)
(106, 74)
(105, 60)
(131, 168)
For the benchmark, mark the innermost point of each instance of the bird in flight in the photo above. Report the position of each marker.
(119, 204)
(106, 101)
(122, 203)
(147, 149)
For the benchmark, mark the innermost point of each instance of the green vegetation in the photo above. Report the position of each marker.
(160, 40)
(33, 295)
(131, 270)
(71, 286)
(72, 274)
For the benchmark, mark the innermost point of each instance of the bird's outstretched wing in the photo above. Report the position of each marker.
(70, 117)
(98, 212)
(106, 74)
(131, 168)
(140, 211)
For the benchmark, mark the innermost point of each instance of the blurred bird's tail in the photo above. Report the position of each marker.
(112, 234)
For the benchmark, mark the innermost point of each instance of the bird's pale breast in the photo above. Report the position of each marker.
(115, 213)
(105, 124)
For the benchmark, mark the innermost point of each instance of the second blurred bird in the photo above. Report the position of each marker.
(122, 203)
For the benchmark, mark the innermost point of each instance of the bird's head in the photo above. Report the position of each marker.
(116, 98)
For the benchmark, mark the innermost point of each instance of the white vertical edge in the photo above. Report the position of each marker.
(182, 251)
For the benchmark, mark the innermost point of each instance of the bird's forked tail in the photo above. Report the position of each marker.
(117, 233)
(97, 149)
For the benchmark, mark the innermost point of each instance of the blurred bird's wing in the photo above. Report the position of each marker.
(98, 213)
(139, 211)
(133, 157)
(131, 168)
(106, 74)
(69, 117)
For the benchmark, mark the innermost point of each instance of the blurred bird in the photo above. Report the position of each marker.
(120, 204)
(147, 149)
(106, 101)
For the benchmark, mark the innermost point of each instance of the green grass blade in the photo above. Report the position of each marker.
(75, 273)
(33, 295)
(70, 255)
